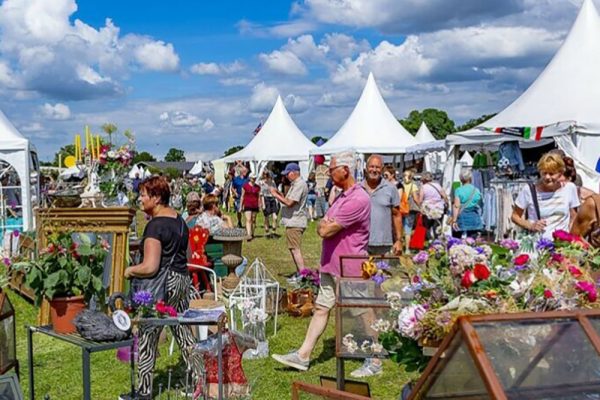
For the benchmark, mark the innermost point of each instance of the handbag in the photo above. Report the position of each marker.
(417, 240)
(157, 284)
(404, 205)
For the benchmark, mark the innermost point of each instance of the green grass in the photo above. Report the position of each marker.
(58, 365)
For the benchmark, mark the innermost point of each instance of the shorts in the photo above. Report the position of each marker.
(237, 204)
(271, 206)
(326, 296)
(251, 209)
(294, 237)
(311, 199)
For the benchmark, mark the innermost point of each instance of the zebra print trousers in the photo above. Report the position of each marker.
(177, 295)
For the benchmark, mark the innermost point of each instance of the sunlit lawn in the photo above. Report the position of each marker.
(58, 365)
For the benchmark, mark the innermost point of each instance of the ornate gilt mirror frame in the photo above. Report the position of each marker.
(113, 220)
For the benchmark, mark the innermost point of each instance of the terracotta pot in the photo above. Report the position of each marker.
(62, 312)
(300, 302)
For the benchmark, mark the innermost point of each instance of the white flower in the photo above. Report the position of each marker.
(377, 347)
(112, 154)
(408, 321)
(349, 343)
(381, 325)
(366, 346)
(395, 300)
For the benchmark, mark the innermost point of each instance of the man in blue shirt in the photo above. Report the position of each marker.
(236, 186)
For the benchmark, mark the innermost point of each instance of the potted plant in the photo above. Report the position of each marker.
(68, 273)
(301, 297)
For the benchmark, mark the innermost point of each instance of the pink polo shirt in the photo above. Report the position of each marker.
(352, 210)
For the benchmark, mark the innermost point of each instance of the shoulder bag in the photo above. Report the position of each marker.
(157, 284)
(534, 198)
(442, 196)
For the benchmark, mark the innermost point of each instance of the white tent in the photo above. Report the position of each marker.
(279, 139)
(561, 103)
(424, 135)
(197, 168)
(16, 150)
(370, 128)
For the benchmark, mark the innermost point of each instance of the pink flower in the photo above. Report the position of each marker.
(557, 257)
(563, 236)
(576, 272)
(548, 294)
(481, 271)
(521, 259)
(468, 279)
(589, 289)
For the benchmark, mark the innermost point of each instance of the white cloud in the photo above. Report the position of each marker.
(286, 29)
(208, 124)
(180, 119)
(263, 98)
(157, 56)
(32, 127)
(343, 45)
(203, 156)
(284, 62)
(58, 111)
(216, 69)
(295, 104)
(45, 50)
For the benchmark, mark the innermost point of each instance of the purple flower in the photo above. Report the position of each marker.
(479, 250)
(383, 265)
(545, 244)
(421, 257)
(453, 242)
(16, 233)
(143, 298)
(379, 278)
(6, 261)
(509, 244)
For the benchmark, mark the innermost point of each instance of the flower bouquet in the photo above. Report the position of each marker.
(114, 163)
(144, 306)
(456, 277)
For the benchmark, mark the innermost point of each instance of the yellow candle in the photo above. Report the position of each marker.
(87, 138)
(93, 147)
(98, 145)
(78, 148)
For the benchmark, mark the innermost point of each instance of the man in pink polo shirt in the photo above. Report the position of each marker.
(345, 231)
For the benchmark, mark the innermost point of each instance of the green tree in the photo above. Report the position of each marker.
(474, 122)
(109, 129)
(174, 155)
(436, 120)
(172, 173)
(232, 150)
(68, 150)
(143, 156)
(315, 139)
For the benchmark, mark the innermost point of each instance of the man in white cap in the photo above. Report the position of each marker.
(293, 211)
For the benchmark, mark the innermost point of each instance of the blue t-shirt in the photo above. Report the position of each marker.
(237, 183)
(598, 165)
(465, 192)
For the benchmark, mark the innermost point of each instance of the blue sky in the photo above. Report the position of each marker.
(200, 75)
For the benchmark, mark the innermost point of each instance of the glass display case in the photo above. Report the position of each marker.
(8, 339)
(553, 355)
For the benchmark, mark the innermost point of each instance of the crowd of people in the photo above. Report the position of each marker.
(374, 216)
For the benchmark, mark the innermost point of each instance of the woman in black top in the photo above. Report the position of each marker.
(164, 246)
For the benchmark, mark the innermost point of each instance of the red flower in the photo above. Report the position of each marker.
(548, 294)
(521, 259)
(589, 289)
(416, 279)
(491, 294)
(576, 272)
(481, 271)
(468, 279)
(563, 236)
(557, 257)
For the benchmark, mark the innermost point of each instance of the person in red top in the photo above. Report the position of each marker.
(250, 204)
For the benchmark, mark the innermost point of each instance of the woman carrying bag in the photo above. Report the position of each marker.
(163, 272)
(466, 211)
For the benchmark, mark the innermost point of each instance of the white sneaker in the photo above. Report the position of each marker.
(293, 360)
(369, 368)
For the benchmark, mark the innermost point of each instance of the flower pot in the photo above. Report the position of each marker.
(62, 312)
(300, 302)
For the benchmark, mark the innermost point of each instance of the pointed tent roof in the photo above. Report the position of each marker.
(10, 137)
(279, 139)
(424, 135)
(565, 94)
(371, 128)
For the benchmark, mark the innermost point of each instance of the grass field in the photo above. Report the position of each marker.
(58, 365)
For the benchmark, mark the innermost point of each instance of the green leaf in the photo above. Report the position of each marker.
(85, 250)
(97, 284)
(84, 274)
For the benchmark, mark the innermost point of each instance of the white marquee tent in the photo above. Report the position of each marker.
(424, 135)
(370, 128)
(16, 150)
(279, 139)
(562, 103)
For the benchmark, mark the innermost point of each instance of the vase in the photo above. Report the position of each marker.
(300, 302)
(62, 312)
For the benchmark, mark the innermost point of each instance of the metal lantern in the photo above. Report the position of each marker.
(8, 338)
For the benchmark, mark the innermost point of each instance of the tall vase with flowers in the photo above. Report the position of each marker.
(67, 272)
(113, 165)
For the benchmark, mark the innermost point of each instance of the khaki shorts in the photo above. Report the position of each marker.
(326, 296)
(294, 237)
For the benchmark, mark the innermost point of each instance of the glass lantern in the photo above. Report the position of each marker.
(8, 339)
